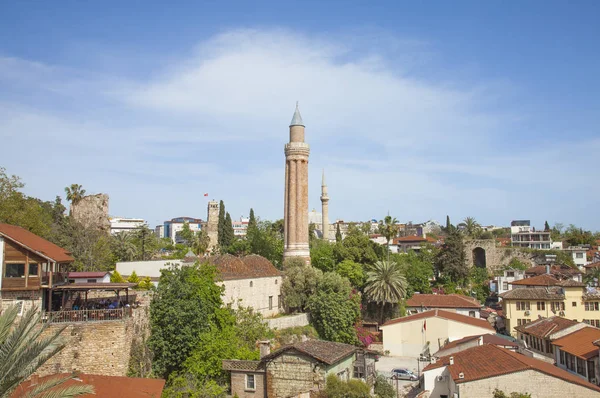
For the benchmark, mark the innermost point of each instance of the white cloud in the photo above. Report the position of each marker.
(390, 138)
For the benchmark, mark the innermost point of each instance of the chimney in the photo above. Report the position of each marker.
(480, 340)
(451, 360)
(548, 269)
(461, 375)
(433, 359)
(265, 348)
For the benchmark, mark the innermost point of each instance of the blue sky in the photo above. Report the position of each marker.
(483, 109)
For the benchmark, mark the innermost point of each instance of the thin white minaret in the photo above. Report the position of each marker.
(325, 208)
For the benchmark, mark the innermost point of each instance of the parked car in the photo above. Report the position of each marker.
(404, 374)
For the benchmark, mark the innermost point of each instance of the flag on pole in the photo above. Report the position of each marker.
(424, 326)
(205, 194)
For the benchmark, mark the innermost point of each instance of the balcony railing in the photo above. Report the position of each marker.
(85, 315)
(56, 278)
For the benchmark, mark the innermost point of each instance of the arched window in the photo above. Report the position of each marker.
(251, 284)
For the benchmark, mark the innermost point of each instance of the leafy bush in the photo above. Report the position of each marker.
(353, 388)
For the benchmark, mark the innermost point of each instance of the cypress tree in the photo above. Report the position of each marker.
(338, 233)
(251, 221)
(221, 225)
(228, 234)
(448, 225)
(546, 227)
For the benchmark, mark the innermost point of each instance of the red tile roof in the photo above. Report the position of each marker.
(35, 243)
(327, 352)
(490, 361)
(109, 386)
(556, 270)
(487, 339)
(413, 239)
(87, 274)
(451, 316)
(442, 301)
(580, 343)
(593, 265)
(252, 266)
(544, 327)
(540, 280)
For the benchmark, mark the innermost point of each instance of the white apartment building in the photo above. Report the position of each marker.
(523, 235)
(503, 283)
(173, 227)
(579, 254)
(122, 224)
(240, 227)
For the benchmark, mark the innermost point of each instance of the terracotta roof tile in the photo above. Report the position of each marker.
(87, 274)
(542, 328)
(442, 301)
(109, 386)
(539, 280)
(452, 316)
(593, 265)
(327, 352)
(534, 293)
(490, 361)
(242, 365)
(487, 339)
(413, 239)
(561, 271)
(36, 243)
(580, 343)
(252, 266)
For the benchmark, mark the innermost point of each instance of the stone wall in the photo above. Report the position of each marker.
(101, 348)
(238, 384)
(290, 321)
(291, 374)
(495, 257)
(29, 299)
(92, 211)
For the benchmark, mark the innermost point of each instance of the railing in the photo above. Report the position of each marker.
(85, 315)
(53, 277)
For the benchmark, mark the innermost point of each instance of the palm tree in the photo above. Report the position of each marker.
(24, 350)
(385, 284)
(389, 229)
(75, 193)
(124, 246)
(472, 227)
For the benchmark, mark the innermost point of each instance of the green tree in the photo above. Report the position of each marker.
(389, 229)
(252, 226)
(183, 307)
(353, 388)
(334, 309)
(322, 255)
(200, 243)
(515, 263)
(133, 278)
(115, 277)
(186, 234)
(546, 227)
(357, 247)
(386, 284)
(592, 277)
(221, 224)
(472, 227)
(123, 247)
(338, 233)
(418, 270)
(353, 271)
(451, 260)
(26, 346)
(75, 193)
(448, 225)
(267, 241)
(228, 234)
(383, 389)
(145, 284)
(299, 284)
(501, 394)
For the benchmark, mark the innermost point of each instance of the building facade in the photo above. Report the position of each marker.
(577, 354)
(121, 224)
(296, 192)
(523, 235)
(240, 227)
(458, 303)
(173, 227)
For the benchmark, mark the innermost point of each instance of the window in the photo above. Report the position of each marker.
(270, 302)
(541, 305)
(275, 281)
(279, 303)
(359, 372)
(91, 281)
(15, 271)
(578, 255)
(581, 366)
(562, 357)
(510, 274)
(574, 304)
(251, 284)
(570, 361)
(504, 285)
(33, 269)
(250, 385)
(472, 314)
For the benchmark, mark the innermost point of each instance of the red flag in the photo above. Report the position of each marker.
(425, 325)
(205, 194)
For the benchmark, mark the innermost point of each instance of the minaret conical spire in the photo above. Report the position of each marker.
(323, 179)
(297, 119)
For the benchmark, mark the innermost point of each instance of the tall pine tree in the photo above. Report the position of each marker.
(546, 227)
(228, 234)
(448, 225)
(338, 234)
(251, 221)
(451, 261)
(221, 225)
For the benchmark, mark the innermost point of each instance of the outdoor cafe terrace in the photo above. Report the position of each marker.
(70, 303)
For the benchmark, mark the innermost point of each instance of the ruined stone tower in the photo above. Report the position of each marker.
(324, 209)
(212, 223)
(296, 192)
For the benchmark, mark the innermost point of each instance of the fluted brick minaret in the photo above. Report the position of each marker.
(324, 209)
(296, 192)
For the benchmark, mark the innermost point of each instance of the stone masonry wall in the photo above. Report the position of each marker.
(288, 321)
(495, 257)
(29, 298)
(238, 384)
(291, 374)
